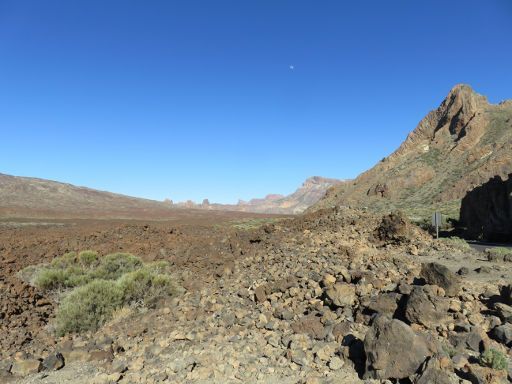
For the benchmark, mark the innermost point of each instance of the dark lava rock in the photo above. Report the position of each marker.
(394, 228)
(431, 373)
(503, 333)
(53, 362)
(506, 294)
(310, 325)
(438, 274)
(386, 303)
(425, 308)
(393, 350)
(486, 210)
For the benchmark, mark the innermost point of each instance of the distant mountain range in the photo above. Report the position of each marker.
(310, 192)
(27, 197)
(30, 197)
(458, 146)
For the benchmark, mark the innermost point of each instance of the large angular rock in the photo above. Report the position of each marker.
(340, 294)
(385, 303)
(504, 312)
(431, 373)
(438, 274)
(26, 367)
(53, 362)
(503, 333)
(425, 308)
(393, 350)
(486, 211)
(472, 340)
(310, 325)
(506, 294)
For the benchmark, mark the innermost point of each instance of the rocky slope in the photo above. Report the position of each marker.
(310, 192)
(460, 145)
(27, 197)
(335, 296)
(20, 196)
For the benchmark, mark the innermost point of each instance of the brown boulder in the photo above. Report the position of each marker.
(425, 308)
(393, 350)
(438, 274)
(394, 228)
(26, 367)
(340, 295)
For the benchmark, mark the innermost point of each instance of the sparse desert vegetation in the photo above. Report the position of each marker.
(94, 286)
(499, 254)
(456, 242)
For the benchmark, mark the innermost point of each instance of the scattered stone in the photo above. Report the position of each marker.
(260, 294)
(340, 295)
(504, 311)
(432, 373)
(310, 325)
(336, 363)
(26, 367)
(386, 303)
(503, 334)
(483, 269)
(53, 362)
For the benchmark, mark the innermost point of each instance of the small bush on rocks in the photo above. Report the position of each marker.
(145, 286)
(499, 254)
(88, 307)
(73, 270)
(494, 359)
(115, 265)
(100, 286)
(456, 242)
(88, 259)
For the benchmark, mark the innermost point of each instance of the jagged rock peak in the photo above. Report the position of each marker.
(462, 96)
(314, 180)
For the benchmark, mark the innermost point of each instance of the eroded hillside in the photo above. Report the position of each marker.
(460, 145)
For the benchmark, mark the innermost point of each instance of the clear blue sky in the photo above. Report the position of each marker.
(194, 99)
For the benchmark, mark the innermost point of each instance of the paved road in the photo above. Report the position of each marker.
(482, 246)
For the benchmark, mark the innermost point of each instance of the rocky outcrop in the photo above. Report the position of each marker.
(309, 193)
(486, 211)
(456, 147)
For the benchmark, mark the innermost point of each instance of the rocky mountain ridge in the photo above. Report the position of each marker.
(34, 198)
(310, 192)
(29, 197)
(458, 146)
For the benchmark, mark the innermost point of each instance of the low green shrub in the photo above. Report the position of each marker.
(456, 242)
(67, 260)
(145, 286)
(88, 259)
(72, 270)
(88, 307)
(115, 265)
(499, 254)
(494, 359)
(100, 286)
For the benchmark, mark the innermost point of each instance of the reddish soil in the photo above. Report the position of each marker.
(199, 244)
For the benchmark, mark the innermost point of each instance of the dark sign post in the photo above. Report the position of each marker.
(436, 222)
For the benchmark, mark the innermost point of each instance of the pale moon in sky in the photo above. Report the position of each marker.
(292, 67)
